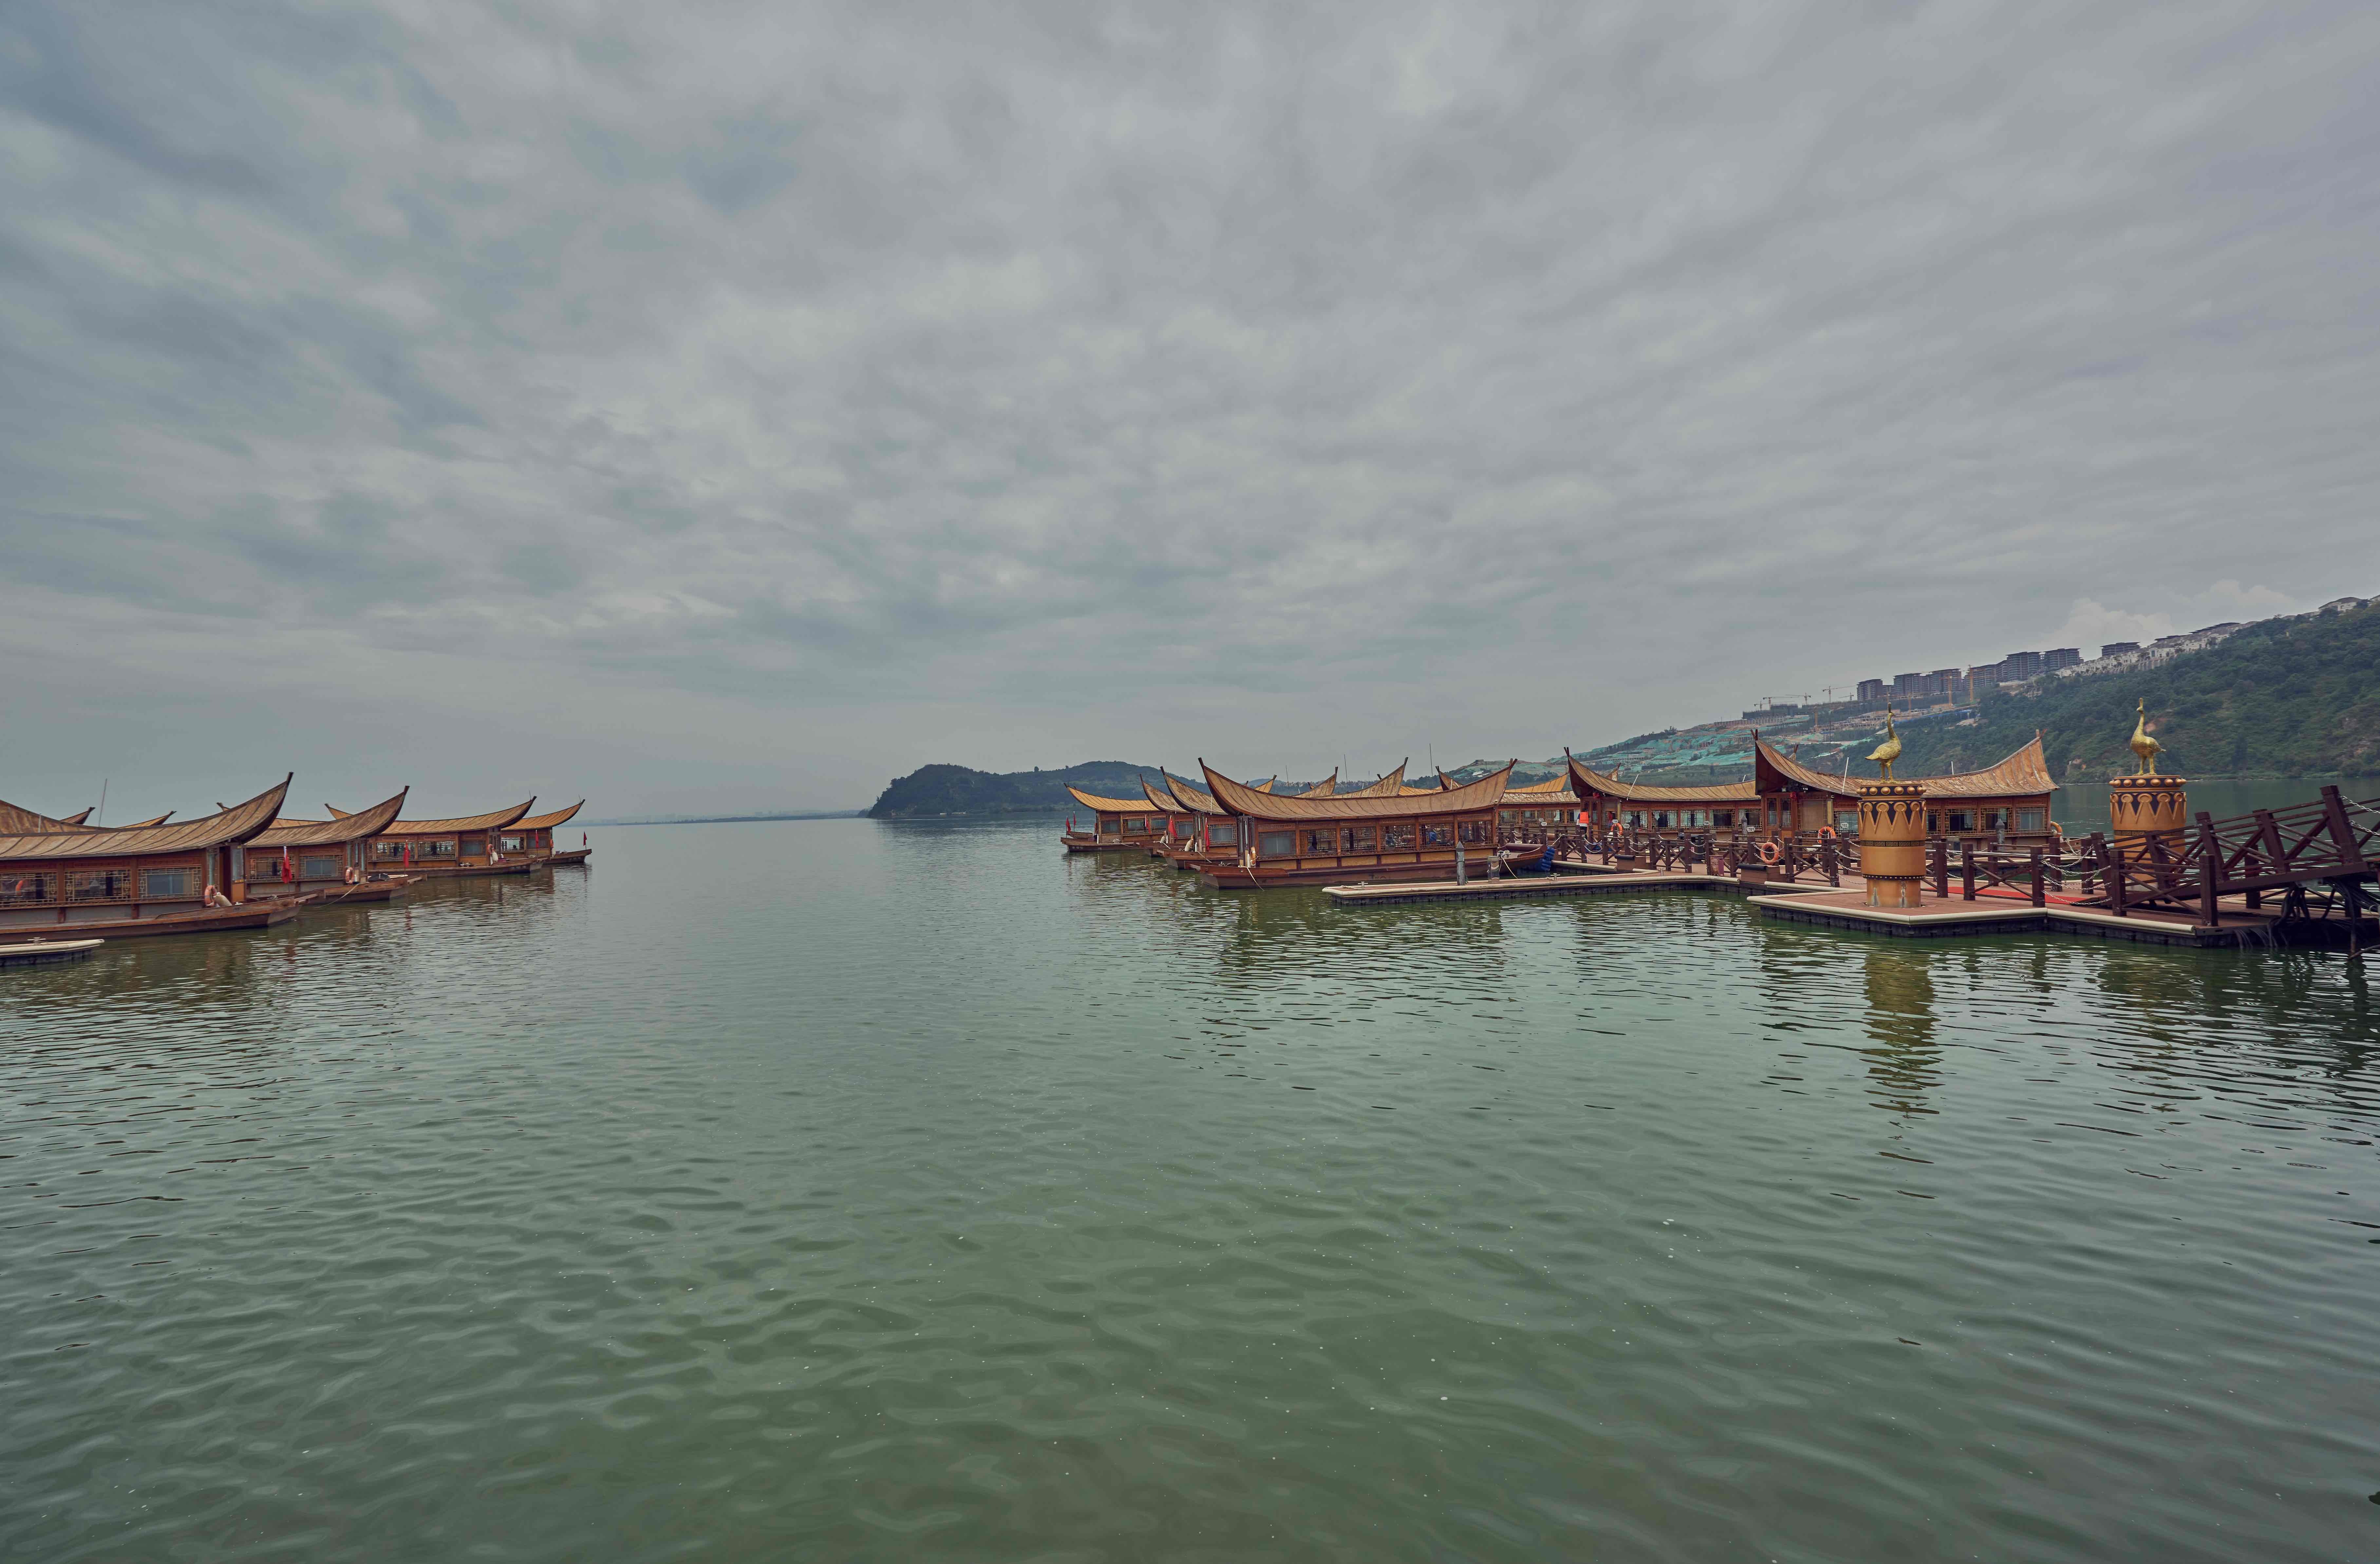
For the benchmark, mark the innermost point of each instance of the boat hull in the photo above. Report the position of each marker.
(1229, 876)
(468, 871)
(1111, 844)
(260, 913)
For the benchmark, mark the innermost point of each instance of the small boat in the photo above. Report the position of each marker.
(1526, 859)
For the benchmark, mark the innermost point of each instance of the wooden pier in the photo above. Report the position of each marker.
(1843, 907)
(1940, 917)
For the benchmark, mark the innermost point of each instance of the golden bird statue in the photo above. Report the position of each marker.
(2143, 746)
(1889, 751)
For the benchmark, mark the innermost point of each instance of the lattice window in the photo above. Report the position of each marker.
(168, 885)
(18, 890)
(99, 885)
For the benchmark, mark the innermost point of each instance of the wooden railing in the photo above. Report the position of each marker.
(2331, 839)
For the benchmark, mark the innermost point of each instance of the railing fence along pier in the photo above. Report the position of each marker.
(2328, 846)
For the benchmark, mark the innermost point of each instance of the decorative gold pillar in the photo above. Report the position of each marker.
(1892, 842)
(2147, 807)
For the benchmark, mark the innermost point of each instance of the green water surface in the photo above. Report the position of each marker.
(845, 1191)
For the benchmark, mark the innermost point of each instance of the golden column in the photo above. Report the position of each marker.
(1893, 830)
(2146, 807)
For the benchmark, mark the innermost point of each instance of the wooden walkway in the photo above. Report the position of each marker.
(1828, 907)
(1935, 919)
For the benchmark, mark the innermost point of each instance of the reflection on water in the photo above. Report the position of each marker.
(837, 1190)
(1901, 1020)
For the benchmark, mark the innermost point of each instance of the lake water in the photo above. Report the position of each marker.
(844, 1191)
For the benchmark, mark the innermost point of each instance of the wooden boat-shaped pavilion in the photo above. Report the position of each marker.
(532, 838)
(137, 880)
(466, 845)
(1117, 824)
(325, 860)
(1784, 797)
(1373, 836)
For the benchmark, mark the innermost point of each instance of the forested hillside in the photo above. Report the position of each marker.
(2283, 697)
(958, 789)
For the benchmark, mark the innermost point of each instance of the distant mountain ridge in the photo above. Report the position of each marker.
(2292, 696)
(2288, 697)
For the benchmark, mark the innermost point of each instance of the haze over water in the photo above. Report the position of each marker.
(842, 1189)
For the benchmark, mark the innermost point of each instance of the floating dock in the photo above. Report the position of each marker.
(1843, 907)
(41, 952)
(1935, 919)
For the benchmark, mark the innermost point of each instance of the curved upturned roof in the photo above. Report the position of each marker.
(332, 833)
(1193, 800)
(548, 822)
(2020, 774)
(226, 827)
(18, 820)
(494, 820)
(1389, 787)
(1107, 806)
(1585, 780)
(1327, 788)
(1238, 799)
(1163, 797)
(144, 824)
(1553, 792)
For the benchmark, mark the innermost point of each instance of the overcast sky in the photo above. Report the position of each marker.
(707, 407)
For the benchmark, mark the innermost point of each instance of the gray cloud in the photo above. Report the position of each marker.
(841, 389)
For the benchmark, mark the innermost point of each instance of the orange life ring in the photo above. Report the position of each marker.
(1768, 853)
(1825, 831)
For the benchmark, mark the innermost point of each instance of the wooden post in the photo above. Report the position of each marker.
(1941, 850)
(1833, 861)
(2040, 891)
(2210, 874)
(1967, 870)
(2342, 833)
(2111, 870)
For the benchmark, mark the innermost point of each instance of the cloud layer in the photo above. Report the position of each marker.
(744, 409)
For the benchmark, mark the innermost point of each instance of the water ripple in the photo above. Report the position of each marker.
(855, 1191)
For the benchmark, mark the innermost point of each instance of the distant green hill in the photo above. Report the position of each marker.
(2290, 697)
(957, 789)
